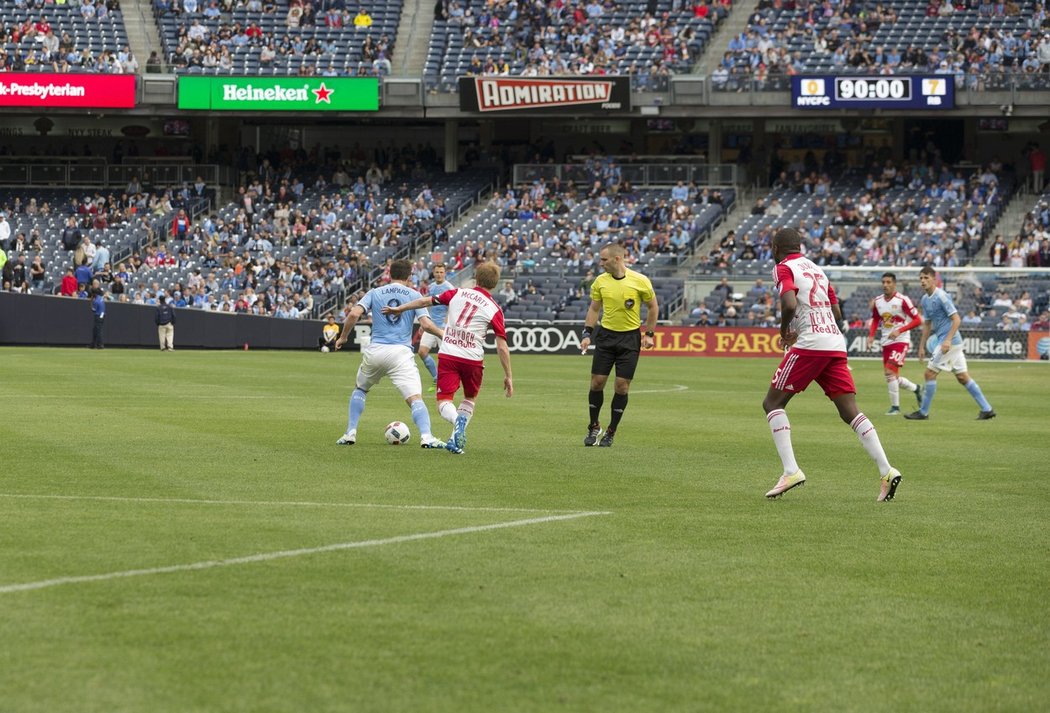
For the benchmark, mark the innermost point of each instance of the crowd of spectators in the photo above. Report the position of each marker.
(302, 234)
(1003, 40)
(584, 38)
(45, 36)
(907, 214)
(209, 36)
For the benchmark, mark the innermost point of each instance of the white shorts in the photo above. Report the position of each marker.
(429, 341)
(393, 360)
(954, 361)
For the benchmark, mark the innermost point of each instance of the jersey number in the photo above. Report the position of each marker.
(466, 315)
(818, 295)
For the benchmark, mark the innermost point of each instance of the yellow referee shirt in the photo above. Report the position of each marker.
(622, 299)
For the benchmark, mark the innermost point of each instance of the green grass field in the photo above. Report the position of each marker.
(530, 574)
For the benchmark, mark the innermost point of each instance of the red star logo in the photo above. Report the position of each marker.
(323, 94)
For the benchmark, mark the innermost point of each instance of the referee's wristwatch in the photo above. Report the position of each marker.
(650, 333)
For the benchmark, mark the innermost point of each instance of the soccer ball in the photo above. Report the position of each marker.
(325, 349)
(397, 433)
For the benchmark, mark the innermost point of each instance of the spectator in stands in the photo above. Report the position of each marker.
(362, 20)
(37, 273)
(69, 284)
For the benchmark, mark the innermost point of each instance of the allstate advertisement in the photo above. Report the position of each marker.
(747, 342)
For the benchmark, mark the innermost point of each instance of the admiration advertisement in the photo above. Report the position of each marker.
(279, 93)
(52, 91)
(549, 95)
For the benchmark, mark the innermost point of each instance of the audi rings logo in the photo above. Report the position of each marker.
(544, 340)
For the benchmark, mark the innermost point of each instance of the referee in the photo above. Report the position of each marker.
(618, 293)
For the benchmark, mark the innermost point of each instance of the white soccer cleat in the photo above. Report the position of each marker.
(348, 439)
(431, 442)
(786, 483)
(888, 485)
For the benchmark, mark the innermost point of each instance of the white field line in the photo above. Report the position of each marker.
(674, 388)
(285, 554)
(273, 503)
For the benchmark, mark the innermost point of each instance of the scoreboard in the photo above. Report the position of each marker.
(855, 91)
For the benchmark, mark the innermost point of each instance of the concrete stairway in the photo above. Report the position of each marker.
(725, 31)
(413, 37)
(143, 34)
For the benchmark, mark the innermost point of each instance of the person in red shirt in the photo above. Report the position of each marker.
(1037, 163)
(69, 284)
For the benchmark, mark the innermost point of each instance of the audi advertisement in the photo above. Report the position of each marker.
(744, 342)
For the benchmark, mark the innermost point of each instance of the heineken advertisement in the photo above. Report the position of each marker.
(279, 93)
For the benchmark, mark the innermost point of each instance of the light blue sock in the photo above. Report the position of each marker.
(975, 392)
(357, 407)
(927, 397)
(431, 366)
(421, 416)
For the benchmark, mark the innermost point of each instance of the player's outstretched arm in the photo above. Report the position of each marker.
(589, 323)
(504, 360)
(408, 306)
(925, 336)
(351, 319)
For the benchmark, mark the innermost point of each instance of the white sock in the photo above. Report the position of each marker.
(907, 385)
(466, 409)
(447, 411)
(781, 428)
(865, 431)
(895, 390)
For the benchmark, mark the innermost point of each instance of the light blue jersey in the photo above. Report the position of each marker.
(391, 328)
(439, 312)
(938, 309)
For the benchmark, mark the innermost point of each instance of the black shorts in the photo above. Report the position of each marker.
(619, 348)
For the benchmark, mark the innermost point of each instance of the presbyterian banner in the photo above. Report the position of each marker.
(279, 93)
(546, 96)
(50, 91)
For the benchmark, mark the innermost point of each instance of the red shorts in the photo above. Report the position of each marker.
(452, 371)
(893, 356)
(798, 369)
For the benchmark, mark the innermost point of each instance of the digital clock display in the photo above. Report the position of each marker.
(906, 91)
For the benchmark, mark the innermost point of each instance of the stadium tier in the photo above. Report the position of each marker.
(264, 254)
(909, 216)
(983, 45)
(70, 37)
(645, 39)
(279, 38)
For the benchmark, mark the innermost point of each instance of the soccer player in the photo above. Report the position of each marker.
(940, 335)
(896, 314)
(620, 293)
(438, 313)
(471, 313)
(816, 351)
(389, 353)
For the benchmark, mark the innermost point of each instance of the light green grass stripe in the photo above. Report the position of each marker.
(276, 503)
(284, 554)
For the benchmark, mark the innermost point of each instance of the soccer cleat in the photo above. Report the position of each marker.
(918, 394)
(894, 411)
(451, 447)
(985, 415)
(459, 435)
(432, 388)
(594, 432)
(916, 416)
(888, 485)
(786, 483)
(348, 439)
(607, 439)
(431, 442)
